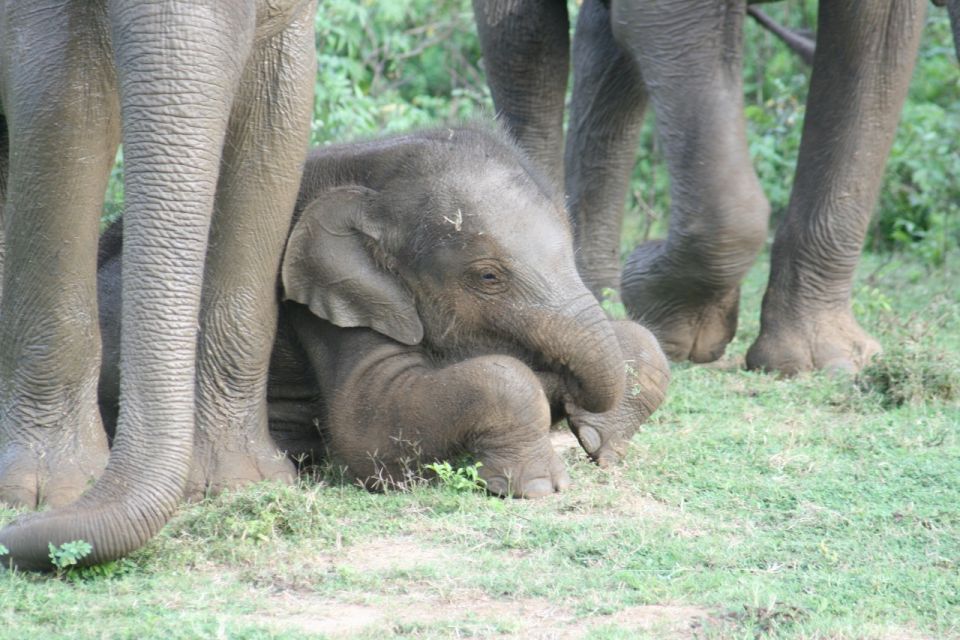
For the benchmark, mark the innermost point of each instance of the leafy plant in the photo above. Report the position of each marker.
(68, 554)
(393, 66)
(872, 300)
(459, 479)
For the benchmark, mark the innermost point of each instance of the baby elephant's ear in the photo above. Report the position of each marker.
(329, 266)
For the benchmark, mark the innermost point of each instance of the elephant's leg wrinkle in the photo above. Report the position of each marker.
(52, 443)
(806, 319)
(255, 201)
(525, 46)
(686, 288)
(491, 406)
(606, 436)
(606, 114)
(4, 173)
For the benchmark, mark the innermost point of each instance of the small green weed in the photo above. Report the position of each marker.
(3, 550)
(105, 571)
(459, 479)
(68, 555)
(871, 300)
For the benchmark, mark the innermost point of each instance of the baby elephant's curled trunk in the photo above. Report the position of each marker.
(580, 344)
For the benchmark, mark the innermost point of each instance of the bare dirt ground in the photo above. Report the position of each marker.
(423, 608)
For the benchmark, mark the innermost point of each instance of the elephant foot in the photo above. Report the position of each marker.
(32, 475)
(827, 341)
(215, 471)
(606, 436)
(692, 320)
(539, 473)
(604, 439)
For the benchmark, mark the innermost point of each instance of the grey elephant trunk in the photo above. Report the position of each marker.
(580, 344)
(167, 215)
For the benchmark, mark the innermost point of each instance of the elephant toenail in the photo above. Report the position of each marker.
(537, 488)
(498, 486)
(589, 439)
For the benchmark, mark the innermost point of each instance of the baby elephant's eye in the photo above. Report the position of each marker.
(487, 277)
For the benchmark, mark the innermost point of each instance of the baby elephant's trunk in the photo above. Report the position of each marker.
(579, 342)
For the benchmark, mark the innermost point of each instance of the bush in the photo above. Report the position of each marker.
(390, 66)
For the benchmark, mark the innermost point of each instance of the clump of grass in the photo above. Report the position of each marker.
(769, 620)
(911, 375)
(264, 512)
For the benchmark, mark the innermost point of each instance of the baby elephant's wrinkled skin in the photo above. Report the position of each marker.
(432, 307)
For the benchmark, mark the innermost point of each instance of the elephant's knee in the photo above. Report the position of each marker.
(749, 216)
(731, 230)
(647, 370)
(510, 397)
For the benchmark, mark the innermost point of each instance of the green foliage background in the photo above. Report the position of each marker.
(390, 66)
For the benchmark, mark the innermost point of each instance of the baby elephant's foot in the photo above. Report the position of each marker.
(606, 436)
(539, 472)
(792, 343)
(692, 320)
(512, 436)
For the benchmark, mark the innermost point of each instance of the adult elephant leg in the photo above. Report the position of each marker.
(261, 168)
(64, 125)
(605, 117)
(4, 174)
(179, 66)
(862, 67)
(953, 7)
(526, 51)
(686, 289)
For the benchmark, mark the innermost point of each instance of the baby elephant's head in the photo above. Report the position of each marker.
(450, 240)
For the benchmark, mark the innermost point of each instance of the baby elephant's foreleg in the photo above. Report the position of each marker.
(491, 406)
(605, 436)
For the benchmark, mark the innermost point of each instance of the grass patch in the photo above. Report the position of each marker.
(748, 507)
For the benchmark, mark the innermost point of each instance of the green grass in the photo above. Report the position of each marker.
(750, 506)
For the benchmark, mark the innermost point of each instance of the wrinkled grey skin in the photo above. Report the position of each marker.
(685, 56)
(433, 307)
(213, 99)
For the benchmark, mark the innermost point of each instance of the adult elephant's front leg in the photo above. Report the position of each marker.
(686, 289)
(862, 67)
(174, 121)
(260, 175)
(65, 130)
(605, 117)
(525, 46)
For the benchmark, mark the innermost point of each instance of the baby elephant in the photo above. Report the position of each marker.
(432, 307)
